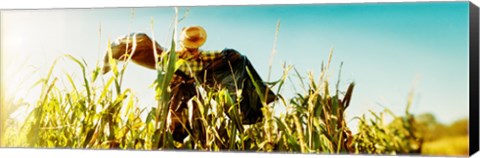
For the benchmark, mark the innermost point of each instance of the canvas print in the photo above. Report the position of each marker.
(366, 78)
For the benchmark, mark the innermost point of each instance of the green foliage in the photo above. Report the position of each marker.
(376, 137)
(398, 137)
(91, 116)
(94, 116)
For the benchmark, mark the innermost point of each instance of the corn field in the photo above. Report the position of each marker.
(101, 113)
(95, 117)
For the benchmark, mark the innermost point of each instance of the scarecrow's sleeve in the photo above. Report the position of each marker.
(137, 45)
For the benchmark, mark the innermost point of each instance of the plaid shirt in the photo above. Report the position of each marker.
(181, 93)
(194, 64)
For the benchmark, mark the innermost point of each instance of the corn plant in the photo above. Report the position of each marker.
(398, 137)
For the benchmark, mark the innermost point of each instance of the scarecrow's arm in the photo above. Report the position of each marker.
(138, 45)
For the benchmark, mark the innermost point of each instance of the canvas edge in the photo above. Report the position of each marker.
(474, 79)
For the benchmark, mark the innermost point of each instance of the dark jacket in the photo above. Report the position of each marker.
(220, 72)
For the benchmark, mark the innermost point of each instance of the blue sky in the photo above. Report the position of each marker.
(385, 47)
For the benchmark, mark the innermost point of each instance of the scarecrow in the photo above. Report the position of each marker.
(226, 68)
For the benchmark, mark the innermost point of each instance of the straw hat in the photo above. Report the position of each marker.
(193, 36)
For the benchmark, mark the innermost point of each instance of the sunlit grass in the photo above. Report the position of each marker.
(455, 146)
